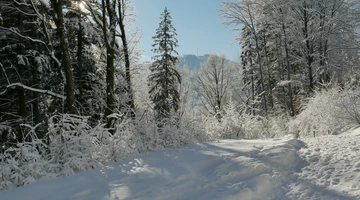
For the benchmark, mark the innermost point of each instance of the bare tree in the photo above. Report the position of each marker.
(115, 19)
(121, 20)
(212, 84)
(104, 15)
(244, 13)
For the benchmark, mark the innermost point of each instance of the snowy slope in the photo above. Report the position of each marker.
(228, 169)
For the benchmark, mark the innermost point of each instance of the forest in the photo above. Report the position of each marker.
(75, 95)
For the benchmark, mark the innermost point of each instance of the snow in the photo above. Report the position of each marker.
(114, 115)
(334, 166)
(45, 3)
(325, 167)
(284, 83)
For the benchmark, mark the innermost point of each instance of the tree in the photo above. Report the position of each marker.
(85, 40)
(212, 84)
(58, 17)
(104, 15)
(115, 19)
(164, 79)
(245, 13)
(121, 12)
(248, 71)
(25, 64)
(294, 46)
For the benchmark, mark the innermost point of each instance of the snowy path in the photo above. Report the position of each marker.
(229, 169)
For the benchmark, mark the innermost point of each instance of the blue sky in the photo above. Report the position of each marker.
(196, 21)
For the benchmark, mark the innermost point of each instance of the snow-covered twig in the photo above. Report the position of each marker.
(2, 67)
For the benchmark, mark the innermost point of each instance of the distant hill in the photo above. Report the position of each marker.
(194, 62)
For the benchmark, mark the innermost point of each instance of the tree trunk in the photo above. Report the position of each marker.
(130, 103)
(309, 50)
(21, 68)
(288, 68)
(324, 47)
(252, 87)
(110, 81)
(109, 8)
(271, 100)
(258, 60)
(253, 92)
(35, 82)
(70, 87)
(79, 55)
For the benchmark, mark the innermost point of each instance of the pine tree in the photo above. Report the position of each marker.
(24, 65)
(164, 79)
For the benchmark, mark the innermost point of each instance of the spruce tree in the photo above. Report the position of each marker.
(164, 79)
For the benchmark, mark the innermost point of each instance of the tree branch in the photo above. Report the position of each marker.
(33, 89)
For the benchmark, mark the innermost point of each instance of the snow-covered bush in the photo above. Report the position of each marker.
(278, 125)
(192, 132)
(180, 132)
(6, 134)
(328, 112)
(71, 145)
(23, 163)
(124, 143)
(187, 133)
(234, 125)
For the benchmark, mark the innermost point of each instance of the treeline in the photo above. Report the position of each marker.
(291, 48)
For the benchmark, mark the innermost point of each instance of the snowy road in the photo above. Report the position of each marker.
(229, 169)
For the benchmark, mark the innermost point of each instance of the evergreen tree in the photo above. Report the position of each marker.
(164, 79)
(24, 61)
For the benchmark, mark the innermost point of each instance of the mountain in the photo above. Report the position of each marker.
(194, 62)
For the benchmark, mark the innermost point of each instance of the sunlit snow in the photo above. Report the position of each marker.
(324, 167)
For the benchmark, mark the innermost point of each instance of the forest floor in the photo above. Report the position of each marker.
(325, 167)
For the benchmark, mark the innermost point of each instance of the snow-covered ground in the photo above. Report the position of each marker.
(229, 169)
(334, 168)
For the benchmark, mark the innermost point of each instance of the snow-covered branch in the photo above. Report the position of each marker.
(23, 36)
(33, 89)
(3, 69)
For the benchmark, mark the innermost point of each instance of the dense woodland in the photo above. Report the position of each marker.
(74, 95)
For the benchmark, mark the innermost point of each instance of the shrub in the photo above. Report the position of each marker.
(328, 112)
(71, 145)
